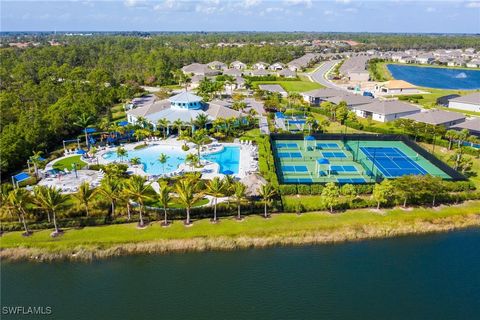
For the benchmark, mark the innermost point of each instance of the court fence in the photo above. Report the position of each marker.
(351, 137)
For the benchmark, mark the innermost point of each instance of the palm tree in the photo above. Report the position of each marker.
(163, 123)
(191, 160)
(110, 188)
(135, 161)
(122, 153)
(142, 122)
(178, 124)
(36, 159)
(215, 188)
(83, 121)
(52, 200)
(39, 194)
(239, 196)
(186, 191)
(139, 191)
(18, 199)
(163, 158)
(201, 121)
(199, 138)
(266, 192)
(164, 198)
(141, 134)
(84, 195)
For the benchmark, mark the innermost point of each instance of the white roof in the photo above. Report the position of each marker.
(185, 115)
(185, 97)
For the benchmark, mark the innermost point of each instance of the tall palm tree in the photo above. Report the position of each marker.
(83, 121)
(186, 191)
(36, 159)
(84, 195)
(122, 153)
(110, 188)
(5, 189)
(199, 138)
(163, 197)
(18, 199)
(52, 200)
(178, 124)
(239, 196)
(215, 188)
(163, 123)
(201, 121)
(163, 158)
(191, 160)
(139, 191)
(266, 192)
(39, 194)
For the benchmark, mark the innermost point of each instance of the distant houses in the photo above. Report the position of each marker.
(199, 69)
(303, 62)
(273, 88)
(356, 69)
(238, 65)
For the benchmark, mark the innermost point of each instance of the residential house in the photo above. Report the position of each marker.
(317, 96)
(287, 73)
(260, 66)
(472, 125)
(474, 63)
(396, 87)
(217, 65)
(386, 110)
(273, 88)
(199, 69)
(238, 65)
(277, 66)
(469, 102)
(437, 117)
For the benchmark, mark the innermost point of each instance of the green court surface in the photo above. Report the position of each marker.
(349, 161)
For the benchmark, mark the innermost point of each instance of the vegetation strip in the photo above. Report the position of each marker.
(285, 229)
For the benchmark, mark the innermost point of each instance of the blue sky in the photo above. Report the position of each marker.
(242, 15)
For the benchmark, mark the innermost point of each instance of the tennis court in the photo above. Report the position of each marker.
(328, 146)
(290, 155)
(392, 162)
(334, 154)
(347, 161)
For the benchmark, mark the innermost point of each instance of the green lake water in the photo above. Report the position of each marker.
(423, 277)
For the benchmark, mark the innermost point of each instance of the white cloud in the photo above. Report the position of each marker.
(343, 1)
(174, 6)
(431, 9)
(250, 3)
(134, 3)
(306, 3)
(473, 4)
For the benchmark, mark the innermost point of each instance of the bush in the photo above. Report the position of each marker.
(316, 189)
(288, 189)
(303, 189)
(185, 147)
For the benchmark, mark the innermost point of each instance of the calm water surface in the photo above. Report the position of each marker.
(425, 277)
(441, 78)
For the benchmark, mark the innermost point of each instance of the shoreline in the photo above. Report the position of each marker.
(356, 232)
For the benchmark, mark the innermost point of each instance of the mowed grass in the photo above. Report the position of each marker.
(293, 86)
(280, 225)
(67, 163)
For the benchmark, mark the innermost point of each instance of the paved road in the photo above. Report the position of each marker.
(263, 124)
(319, 74)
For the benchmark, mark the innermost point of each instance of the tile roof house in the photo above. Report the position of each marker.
(217, 65)
(472, 125)
(277, 66)
(286, 73)
(351, 100)
(317, 96)
(437, 117)
(469, 102)
(199, 69)
(396, 87)
(273, 88)
(260, 66)
(385, 110)
(238, 65)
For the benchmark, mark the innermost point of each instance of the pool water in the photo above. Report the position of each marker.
(228, 158)
(441, 78)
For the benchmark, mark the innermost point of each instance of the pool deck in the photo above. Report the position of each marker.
(209, 169)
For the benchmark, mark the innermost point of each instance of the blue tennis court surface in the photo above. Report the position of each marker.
(289, 154)
(351, 180)
(287, 145)
(343, 168)
(298, 180)
(334, 154)
(294, 169)
(328, 146)
(296, 121)
(392, 162)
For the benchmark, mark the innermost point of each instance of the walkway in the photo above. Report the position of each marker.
(263, 124)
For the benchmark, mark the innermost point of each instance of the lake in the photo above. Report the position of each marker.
(422, 277)
(440, 78)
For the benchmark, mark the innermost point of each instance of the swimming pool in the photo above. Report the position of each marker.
(228, 158)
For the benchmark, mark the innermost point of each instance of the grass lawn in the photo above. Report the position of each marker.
(280, 225)
(293, 86)
(68, 162)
